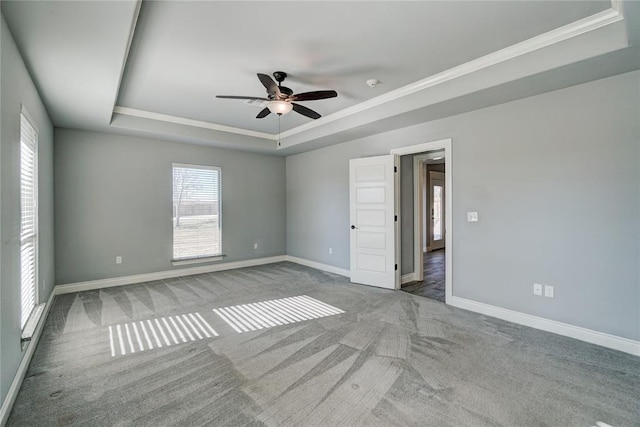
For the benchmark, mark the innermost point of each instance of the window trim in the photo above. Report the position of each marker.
(24, 320)
(197, 260)
(203, 258)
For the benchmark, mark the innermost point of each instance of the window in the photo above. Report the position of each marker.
(196, 212)
(28, 218)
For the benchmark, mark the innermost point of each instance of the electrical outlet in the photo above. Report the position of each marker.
(118, 259)
(330, 251)
(537, 289)
(472, 216)
(548, 291)
(255, 245)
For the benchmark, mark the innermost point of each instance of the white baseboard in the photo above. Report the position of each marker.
(160, 275)
(406, 278)
(169, 274)
(12, 393)
(594, 337)
(318, 265)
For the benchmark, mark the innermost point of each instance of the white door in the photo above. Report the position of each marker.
(436, 197)
(373, 191)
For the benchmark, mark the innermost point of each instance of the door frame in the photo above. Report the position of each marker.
(418, 213)
(443, 144)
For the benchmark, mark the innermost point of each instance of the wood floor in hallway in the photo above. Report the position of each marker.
(432, 286)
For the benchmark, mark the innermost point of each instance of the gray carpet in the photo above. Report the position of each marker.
(391, 358)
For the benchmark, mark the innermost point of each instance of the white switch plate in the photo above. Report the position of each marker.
(537, 289)
(255, 245)
(472, 216)
(330, 251)
(118, 259)
(548, 291)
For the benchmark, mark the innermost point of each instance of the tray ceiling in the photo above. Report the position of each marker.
(154, 68)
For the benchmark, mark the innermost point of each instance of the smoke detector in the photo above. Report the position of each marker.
(373, 82)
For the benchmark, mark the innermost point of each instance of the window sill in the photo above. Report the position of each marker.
(32, 322)
(187, 261)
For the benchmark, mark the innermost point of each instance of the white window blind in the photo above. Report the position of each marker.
(196, 212)
(28, 217)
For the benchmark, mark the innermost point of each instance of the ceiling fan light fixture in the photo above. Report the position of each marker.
(279, 107)
(280, 100)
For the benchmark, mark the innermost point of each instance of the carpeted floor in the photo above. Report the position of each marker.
(118, 357)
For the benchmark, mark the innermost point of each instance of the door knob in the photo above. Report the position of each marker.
(353, 227)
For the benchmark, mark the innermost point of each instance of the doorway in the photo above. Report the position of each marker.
(432, 230)
(432, 224)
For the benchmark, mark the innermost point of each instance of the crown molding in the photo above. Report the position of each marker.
(574, 29)
(132, 30)
(617, 5)
(569, 31)
(190, 122)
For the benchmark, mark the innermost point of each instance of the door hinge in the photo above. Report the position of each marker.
(395, 218)
(395, 169)
(396, 266)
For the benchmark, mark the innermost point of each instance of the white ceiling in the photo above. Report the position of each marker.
(186, 53)
(182, 54)
(75, 52)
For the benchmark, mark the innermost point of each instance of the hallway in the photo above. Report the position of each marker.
(432, 286)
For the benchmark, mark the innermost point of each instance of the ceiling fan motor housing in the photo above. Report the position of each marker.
(285, 90)
(279, 76)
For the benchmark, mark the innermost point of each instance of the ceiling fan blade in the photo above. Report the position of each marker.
(311, 96)
(241, 97)
(270, 84)
(305, 111)
(263, 113)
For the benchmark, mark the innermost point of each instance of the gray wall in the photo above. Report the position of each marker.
(17, 88)
(556, 181)
(406, 213)
(114, 197)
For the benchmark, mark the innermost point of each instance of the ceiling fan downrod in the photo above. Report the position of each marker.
(280, 76)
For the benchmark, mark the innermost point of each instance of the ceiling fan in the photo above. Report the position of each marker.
(280, 99)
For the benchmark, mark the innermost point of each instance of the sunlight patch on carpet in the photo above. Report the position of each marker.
(133, 337)
(267, 314)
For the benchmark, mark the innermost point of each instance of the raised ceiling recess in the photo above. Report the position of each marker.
(155, 68)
